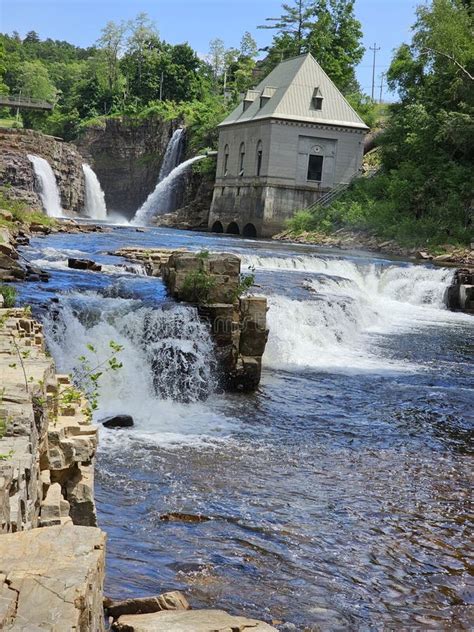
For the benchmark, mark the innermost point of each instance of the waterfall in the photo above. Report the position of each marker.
(173, 154)
(158, 202)
(95, 199)
(48, 188)
(162, 199)
(346, 308)
(168, 352)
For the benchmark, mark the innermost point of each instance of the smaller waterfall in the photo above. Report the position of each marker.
(95, 207)
(48, 188)
(173, 154)
(157, 202)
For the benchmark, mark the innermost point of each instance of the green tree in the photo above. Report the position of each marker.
(34, 81)
(293, 27)
(111, 43)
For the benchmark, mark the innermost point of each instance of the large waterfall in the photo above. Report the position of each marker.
(162, 199)
(95, 207)
(48, 188)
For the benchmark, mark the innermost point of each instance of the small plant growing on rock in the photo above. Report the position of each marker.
(197, 287)
(9, 295)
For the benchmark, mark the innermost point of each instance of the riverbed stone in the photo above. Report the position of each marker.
(117, 421)
(52, 579)
(190, 621)
(174, 600)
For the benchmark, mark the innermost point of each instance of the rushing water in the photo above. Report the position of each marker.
(337, 496)
(163, 198)
(159, 201)
(95, 198)
(48, 188)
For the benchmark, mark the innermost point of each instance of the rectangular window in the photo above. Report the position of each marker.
(315, 168)
(226, 164)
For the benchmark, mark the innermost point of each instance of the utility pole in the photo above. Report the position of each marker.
(375, 48)
(382, 77)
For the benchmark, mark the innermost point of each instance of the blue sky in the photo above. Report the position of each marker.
(386, 22)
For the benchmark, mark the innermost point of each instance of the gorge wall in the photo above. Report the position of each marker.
(17, 175)
(127, 156)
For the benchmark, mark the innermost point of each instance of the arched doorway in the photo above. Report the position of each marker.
(233, 229)
(249, 231)
(217, 228)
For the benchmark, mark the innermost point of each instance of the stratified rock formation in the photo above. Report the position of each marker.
(50, 578)
(16, 171)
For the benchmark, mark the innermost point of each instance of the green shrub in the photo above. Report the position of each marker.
(197, 287)
(9, 295)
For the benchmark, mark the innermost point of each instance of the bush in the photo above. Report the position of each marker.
(9, 295)
(197, 287)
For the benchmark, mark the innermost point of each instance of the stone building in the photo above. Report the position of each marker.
(292, 138)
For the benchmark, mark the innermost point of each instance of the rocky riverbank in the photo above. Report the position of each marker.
(363, 240)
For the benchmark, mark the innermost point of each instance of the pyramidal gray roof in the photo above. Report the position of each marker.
(288, 93)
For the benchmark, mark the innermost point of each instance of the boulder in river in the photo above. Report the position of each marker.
(145, 605)
(117, 421)
(189, 621)
(83, 264)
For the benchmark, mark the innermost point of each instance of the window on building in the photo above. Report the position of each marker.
(317, 100)
(315, 168)
(226, 160)
(259, 157)
(242, 160)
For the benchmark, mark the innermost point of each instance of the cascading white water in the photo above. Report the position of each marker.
(349, 306)
(157, 202)
(173, 154)
(95, 207)
(48, 188)
(168, 360)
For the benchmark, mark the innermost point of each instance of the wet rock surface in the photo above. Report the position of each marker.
(459, 296)
(117, 421)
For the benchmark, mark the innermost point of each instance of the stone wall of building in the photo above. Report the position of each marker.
(16, 171)
(267, 199)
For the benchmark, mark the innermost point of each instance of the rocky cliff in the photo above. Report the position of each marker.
(17, 175)
(127, 156)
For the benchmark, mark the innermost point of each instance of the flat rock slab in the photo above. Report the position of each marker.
(51, 579)
(190, 621)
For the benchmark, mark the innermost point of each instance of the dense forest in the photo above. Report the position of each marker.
(423, 189)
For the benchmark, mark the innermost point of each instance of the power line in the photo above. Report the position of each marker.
(374, 48)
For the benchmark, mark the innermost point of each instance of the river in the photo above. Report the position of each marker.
(338, 495)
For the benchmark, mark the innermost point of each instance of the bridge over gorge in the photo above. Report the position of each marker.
(25, 103)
